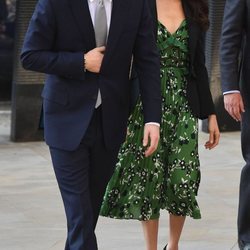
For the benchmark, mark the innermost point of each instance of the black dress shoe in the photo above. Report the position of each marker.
(165, 248)
(244, 245)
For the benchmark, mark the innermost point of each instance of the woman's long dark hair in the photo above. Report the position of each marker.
(199, 10)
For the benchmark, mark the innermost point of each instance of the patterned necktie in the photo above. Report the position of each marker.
(101, 30)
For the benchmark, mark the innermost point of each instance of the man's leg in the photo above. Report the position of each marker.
(244, 199)
(72, 173)
(102, 166)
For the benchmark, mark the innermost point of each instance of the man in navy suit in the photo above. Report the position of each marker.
(86, 95)
(235, 76)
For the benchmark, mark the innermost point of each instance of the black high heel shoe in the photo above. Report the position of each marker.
(165, 248)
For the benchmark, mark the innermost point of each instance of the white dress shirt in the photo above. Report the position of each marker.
(108, 8)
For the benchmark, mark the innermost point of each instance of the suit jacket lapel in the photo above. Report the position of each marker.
(193, 30)
(80, 11)
(152, 5)
(118, 20)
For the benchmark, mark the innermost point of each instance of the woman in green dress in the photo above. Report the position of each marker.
(169, 179)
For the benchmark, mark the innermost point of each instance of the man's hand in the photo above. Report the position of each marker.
(93, 59)
(151, 138)
(234, 105)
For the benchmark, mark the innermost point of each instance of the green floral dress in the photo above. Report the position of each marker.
(169, 179)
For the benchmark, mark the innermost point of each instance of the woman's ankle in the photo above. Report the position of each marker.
(172, 246)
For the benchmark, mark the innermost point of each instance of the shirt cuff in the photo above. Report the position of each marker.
(153, 123)
(231, 92)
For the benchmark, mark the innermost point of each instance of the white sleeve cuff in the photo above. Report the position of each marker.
(153, 123)
(231, 92)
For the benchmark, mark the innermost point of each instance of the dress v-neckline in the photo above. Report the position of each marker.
(172, 34)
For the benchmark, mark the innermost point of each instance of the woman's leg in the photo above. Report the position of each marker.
(175, 228)
(150, 230)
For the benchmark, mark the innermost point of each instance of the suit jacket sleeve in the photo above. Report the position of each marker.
(38, 54)
(231, 43)
(147, 63)
(205, 96)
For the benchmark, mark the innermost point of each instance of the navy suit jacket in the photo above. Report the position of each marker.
(60, 32)
(235, 48)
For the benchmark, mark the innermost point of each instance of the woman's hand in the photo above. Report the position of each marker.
(214, 133)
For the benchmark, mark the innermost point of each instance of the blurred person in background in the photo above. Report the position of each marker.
(235, 78)
(3, 16)
(3, 11)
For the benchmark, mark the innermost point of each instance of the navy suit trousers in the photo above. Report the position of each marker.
(244, 200)
(82, 176)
